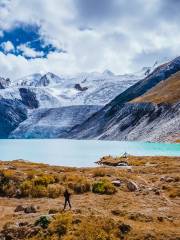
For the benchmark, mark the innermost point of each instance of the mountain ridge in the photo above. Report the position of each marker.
(112, 120)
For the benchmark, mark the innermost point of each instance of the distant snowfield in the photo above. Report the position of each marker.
(82, 89)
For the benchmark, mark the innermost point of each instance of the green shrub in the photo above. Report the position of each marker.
(43, 222)
(103, 187)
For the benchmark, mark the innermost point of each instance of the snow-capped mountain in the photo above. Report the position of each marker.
(82, 89)
(133, 116)
(48, 106)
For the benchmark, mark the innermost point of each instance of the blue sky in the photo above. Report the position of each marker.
(70, 36)
(24, 37)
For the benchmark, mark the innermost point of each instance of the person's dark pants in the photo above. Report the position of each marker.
(65, 203)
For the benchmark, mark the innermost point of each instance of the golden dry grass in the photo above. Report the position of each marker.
(167, 91)
(152, 211)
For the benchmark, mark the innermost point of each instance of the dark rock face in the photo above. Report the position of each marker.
(28, 98)
(120, 120)
(47, 79)
(80, 88)
(4, 82)
(12, 112)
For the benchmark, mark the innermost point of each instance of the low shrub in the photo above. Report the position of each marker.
(60, 224)
(43, 222)
(44, 180)
(26, 188)
(103, 187)
(82, 187)
(55, 190)
(99, 172)
(39, 191)
(93, 228)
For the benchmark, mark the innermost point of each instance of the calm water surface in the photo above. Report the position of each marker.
(79, 153)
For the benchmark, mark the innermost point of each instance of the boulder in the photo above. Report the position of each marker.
(30, 209)
(132, 186)
(22, 224)
(116, 183)
(19, 208)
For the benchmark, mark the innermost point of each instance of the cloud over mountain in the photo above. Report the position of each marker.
(70, 36)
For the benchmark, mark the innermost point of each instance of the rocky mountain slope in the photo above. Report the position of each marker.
(143, 118)
(60, 102)
(12, 112)
(49, 106)
(53, 122)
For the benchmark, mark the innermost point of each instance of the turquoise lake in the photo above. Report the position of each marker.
(79, 153)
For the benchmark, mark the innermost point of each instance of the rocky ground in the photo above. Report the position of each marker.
(139, 201)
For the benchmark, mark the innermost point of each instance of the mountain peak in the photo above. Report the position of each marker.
(108, 72)
(4, 82)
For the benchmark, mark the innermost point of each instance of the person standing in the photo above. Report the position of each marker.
(67, 199)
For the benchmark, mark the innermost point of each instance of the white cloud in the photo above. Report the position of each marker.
(29, 52)
(7, 46)
(115, 42)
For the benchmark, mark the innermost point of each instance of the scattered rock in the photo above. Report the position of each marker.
(170, 218)
(118, 212)
(53, 211)
(160, 218)
(116, 183)
(132, 186)
(19, 208)
(30, 209)
(22, 224)
(167, 179)
(20, 232)
(18, 193)
(125, 228)
(140, 217)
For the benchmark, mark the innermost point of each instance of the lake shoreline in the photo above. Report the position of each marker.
(79, 153)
